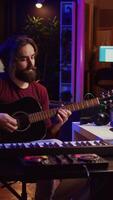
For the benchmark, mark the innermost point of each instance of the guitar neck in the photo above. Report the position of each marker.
(43, 115)
(83, 105)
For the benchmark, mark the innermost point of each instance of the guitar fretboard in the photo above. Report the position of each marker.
(42, 115)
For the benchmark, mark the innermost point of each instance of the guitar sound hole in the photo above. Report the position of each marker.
(22, 120)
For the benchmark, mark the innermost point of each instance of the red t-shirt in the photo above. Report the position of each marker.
(22, 103)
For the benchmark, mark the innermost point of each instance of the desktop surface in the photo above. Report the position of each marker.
(90, 131)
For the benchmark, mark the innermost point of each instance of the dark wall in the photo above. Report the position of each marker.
(13, 16)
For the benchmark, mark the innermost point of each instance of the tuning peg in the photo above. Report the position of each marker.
(108, 93)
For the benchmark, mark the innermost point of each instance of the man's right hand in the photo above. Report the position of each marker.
(8, 123)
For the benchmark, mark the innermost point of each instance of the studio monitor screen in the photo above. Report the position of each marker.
(106, 54)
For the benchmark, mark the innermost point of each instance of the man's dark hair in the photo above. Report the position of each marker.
(10, 48)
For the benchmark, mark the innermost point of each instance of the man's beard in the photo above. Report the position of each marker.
(28, 75)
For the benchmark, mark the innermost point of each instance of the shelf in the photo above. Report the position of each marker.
(66, 47)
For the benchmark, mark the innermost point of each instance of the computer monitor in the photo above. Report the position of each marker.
(106, 54)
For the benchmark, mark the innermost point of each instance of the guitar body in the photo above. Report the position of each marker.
(27, 131)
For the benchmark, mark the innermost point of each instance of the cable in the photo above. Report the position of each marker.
(89, 95)
(87, 171)
(89, 182)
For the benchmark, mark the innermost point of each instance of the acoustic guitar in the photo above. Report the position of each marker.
(31, 118)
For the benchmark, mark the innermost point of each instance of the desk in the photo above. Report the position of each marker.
(91, 132)
(15, 170)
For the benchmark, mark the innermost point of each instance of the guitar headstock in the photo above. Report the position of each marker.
(107, 99)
